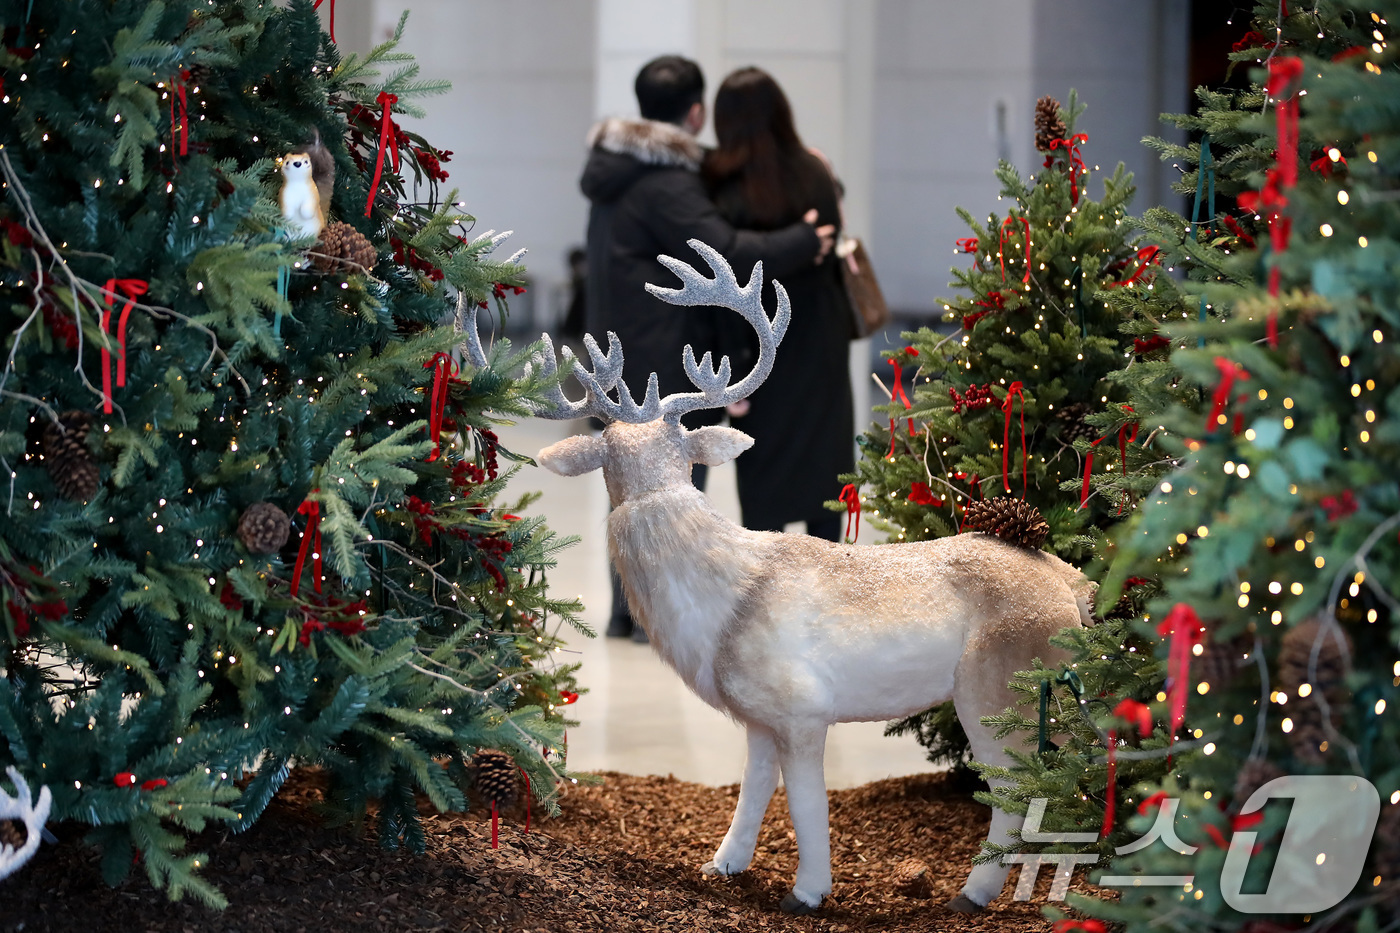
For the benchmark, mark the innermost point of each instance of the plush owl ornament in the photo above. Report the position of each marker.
(301, 201)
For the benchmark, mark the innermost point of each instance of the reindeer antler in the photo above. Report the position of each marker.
(715, 392)
(22, 807)
(722, 291)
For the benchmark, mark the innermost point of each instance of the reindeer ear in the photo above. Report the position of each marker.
(716, 444)
(574, 456)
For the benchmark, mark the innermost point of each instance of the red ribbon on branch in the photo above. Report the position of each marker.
(1001, 245)
(1076, 164)
(1069, 925)
(310, 540)
(386, 141)
(182, 128)
(443, 368)
(851, 496)
(1124, 439)
(317, 6)
(1184, 628)
(1284, 72)
(1230, 373)
(967, 244)
(920, 494)
(1136, 714)
(1145, 257)
(131, 289)
(1013, 392)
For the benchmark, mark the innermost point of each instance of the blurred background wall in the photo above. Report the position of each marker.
(913, 101)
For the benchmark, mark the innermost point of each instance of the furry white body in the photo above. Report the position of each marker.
(789, 634)
(300, 199)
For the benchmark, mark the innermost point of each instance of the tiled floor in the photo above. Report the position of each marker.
(637, 716)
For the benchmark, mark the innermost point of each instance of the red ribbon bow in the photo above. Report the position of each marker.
(443, 368)
(180, 128)
(310, 539)
(1125, 437)
(1076, 164)
(967, 244)
(920, 494)
(1013, 392)
(1230, 372)
(386, 137)
(317, 6)
(851, 496)
(1137, 714)
(1184, 628)
(131, 289)
(897, 394)
(1144, 257)
(1001, 245)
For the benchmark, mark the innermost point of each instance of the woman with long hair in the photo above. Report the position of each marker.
(762, 178)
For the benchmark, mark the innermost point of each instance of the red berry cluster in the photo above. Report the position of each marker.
(24, 599)
(338, 615)
(229, 597)
(974, 398)
(432, 162)
(406, 255)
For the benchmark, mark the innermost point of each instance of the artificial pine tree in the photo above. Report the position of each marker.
(1273, 540)
(1019, 400)
(254, 515)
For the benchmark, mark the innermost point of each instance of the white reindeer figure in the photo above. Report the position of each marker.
(788, 633)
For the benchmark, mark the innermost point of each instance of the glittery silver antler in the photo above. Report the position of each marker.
(722, 291)
(715, 392)
(22, 807)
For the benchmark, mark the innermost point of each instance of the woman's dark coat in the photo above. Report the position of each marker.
(801, 418)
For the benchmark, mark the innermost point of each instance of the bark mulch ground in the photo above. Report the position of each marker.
(625, 856)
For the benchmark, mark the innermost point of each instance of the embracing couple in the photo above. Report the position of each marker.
(760, 195)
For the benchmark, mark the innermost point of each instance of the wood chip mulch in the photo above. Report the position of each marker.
(623, 858)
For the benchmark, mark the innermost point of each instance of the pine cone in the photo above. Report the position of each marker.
(1385, 856)
(1309, 737)
(1048, 125)
(12, 833)
(913, 879)
(1254, 774)
(1009, 519)
(1072, 423)
(264, 528)
(70, 463)
(496, 778)
(343, 248)
(1219, 662)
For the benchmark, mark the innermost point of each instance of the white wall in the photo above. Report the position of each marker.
(515, 120)
(944, 67)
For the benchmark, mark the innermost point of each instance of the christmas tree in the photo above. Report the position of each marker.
(1272, 543)
(1021, 401)
(254, 511)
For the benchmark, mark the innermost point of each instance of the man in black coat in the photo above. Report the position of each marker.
(643, 179)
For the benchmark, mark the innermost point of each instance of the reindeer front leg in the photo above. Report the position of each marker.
(760, 780)
(802, 753)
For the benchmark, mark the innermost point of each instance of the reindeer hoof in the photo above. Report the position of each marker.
(963, 904)
(711, 870)
(792, 904)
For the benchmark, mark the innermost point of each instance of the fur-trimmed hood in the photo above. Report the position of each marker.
(648, 141)
(622, 150)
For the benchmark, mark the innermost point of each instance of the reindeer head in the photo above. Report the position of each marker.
(644, 447)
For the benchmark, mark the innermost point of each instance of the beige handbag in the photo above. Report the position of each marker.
(869, 312)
